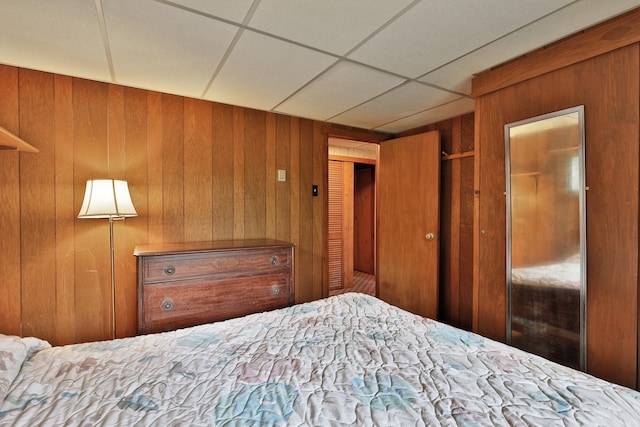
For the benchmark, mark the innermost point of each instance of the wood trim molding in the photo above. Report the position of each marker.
(352, 159)
(475, 295)
(597, 40)
(345, 132)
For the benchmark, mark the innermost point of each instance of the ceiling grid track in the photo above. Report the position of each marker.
(105, 39)
(375, 65)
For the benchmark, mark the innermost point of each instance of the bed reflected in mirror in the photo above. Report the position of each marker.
(546, 256)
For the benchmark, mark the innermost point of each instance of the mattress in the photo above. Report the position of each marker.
(346, 360)
(564, 274)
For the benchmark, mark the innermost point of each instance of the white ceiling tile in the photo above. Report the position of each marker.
(431, 34)
(61, 36)
(334, 26)
(454, 76)
(175, 50)
(457, 75)
(232, 10)
(343, 86)
(403, 101)
(287, 56)
(433, 115)
(262, 71)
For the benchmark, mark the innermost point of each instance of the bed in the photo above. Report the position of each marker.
(350, 359)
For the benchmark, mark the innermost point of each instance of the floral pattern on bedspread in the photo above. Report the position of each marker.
(347, 360)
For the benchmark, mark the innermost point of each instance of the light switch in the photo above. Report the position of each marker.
(282, 175)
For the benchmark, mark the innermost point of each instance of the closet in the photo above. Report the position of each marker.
(340, 225)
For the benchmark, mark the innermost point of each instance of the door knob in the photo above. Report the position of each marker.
(429, 236)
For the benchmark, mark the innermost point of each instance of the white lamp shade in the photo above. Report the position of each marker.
(107, 198)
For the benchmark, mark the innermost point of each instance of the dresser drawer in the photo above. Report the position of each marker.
(186, 284)
(175, 305)
(180, 267)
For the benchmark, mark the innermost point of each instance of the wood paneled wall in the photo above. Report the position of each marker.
(197, 171)
(456, 218)
(606, 82)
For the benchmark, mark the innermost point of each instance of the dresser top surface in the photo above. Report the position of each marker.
(208, 246)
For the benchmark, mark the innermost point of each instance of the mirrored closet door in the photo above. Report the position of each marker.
(546, 245)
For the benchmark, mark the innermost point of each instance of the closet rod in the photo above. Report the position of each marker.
(446, 156)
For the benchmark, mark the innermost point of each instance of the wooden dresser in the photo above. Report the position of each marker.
(186, 284)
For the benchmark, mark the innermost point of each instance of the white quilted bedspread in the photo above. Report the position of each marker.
(346, 360)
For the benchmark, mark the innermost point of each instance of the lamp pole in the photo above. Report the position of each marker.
(113, 278)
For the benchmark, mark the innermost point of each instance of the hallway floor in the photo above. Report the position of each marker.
(362, 282)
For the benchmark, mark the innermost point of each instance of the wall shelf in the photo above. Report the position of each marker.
(9, 141)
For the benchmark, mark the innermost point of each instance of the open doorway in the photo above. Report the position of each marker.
(352, 216)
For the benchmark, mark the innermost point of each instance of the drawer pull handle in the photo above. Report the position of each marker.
(169, 270)
(167, 305)
(275, 289)
(273, 260)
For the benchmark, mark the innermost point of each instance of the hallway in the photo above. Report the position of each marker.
(362, 282)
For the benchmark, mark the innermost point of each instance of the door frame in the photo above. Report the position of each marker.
(352, 159)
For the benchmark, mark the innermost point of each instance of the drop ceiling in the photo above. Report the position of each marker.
(385, 65)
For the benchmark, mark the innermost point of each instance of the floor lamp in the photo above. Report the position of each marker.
(108, 198)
